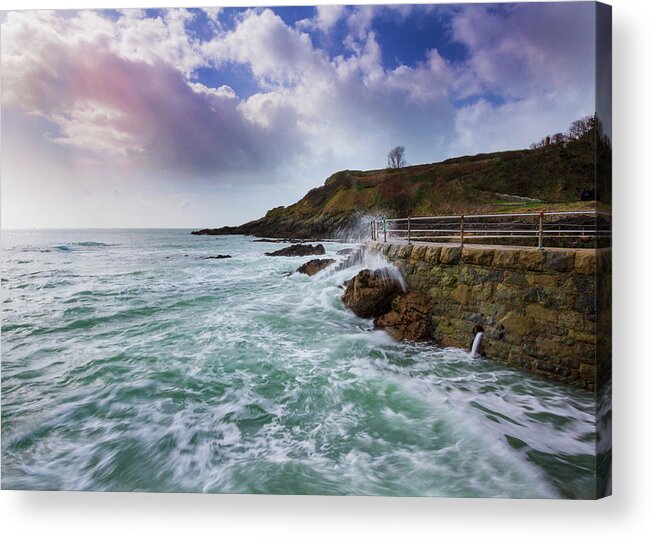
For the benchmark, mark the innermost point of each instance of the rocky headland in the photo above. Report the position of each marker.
(551, 177)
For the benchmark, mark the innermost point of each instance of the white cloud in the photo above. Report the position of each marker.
(531, 49)
(121, 91)
(325, 19)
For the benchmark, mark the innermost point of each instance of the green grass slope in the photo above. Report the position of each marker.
(555, 175)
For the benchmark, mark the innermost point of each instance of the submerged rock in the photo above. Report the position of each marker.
(216, 257)
(346, 251)
(370, 293)
(299, 249)
(315, 266)
(409, 318)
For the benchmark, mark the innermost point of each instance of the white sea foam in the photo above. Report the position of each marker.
(152, 373)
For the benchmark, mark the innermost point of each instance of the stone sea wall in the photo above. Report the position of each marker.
(538, 307)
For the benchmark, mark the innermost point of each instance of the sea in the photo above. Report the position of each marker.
(131, 362)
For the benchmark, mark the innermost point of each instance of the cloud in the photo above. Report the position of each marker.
(276, 53)
(136, 105)
(530, 48)
(324, 20)
(130, 90)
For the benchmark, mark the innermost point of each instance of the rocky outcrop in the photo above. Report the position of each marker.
(369, 294)
(299, 249)
(205, 232)
(315, 266)
(216, 257)
(409, 318)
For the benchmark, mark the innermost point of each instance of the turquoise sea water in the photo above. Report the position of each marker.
(129, 362)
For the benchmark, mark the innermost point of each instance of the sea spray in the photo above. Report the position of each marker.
(362, 258)
(360, 228)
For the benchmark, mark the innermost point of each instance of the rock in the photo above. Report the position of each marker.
(409, 318)
(216, 257)
(267, 240)
(205, 232)
(369, 294)
(315, 266)
(344, 251)
(299, 249)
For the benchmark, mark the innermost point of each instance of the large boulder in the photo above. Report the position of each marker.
(409, 318)
(299, 249)
(370, 293)
(315, 266)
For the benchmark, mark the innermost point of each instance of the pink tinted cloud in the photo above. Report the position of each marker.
(141, 111)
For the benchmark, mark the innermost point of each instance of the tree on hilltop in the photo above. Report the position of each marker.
(396, 157)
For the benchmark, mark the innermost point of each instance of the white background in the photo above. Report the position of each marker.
(626, 514)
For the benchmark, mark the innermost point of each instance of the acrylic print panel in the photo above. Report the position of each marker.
(343, 250)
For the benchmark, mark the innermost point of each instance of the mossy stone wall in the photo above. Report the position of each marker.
(538, 307)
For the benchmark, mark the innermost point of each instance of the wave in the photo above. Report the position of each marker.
(74, 245)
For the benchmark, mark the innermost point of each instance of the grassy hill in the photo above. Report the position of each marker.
(554, 175)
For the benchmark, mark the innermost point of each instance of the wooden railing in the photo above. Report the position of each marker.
(556, 227)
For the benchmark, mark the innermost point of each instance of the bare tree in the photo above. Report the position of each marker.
(582, 128)
(396, 157)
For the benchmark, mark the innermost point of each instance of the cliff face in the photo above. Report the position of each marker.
(538, 308)
(556, 176)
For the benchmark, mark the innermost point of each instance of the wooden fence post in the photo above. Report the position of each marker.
(540, 230)
(384, 225)
(409, 229)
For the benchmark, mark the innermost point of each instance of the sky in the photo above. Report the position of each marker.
(210, 117)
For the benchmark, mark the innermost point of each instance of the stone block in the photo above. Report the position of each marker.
(460, 294)
(587, 372)
(532, 259)
(516, 324)
(507, 293)
(448, 279)
(538, 312)
(545, 279)
(477, 255)
(549, 349)
(585, 262)
(571, 319)
(506, 258)
(483, 291)
(450, 254)
(559, 260)
(418, 253)
(584, 334)
(433, 255)
(517, 278)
